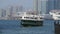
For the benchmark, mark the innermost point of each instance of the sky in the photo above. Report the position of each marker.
(28, 4)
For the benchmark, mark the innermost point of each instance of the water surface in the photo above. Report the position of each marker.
(14, 27)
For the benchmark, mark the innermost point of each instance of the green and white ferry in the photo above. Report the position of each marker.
(31, 18)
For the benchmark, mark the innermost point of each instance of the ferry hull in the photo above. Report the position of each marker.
(31, 23)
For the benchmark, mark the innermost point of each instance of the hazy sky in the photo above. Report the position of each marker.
(26, 3)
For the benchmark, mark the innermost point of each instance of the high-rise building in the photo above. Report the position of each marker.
(21, 8)
(11, 10)
(56, 4)
(3, 13)
(40, 6)
(18, 8)
(43, 6)
(35, 5)
(50, 5)
(0, 12)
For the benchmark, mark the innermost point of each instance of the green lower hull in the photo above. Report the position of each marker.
(32, 23)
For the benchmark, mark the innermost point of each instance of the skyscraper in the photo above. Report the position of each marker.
(53, 4)
(3, 13)
(43, 6)
(50, 5)
(11, 10)
(56, 4)
(35, 3)
(40, 6)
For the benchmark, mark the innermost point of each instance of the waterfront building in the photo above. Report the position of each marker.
(3, 13)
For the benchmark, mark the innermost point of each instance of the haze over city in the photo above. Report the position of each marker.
(11, 7)
(27, 4)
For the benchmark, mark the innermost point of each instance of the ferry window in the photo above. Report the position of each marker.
(26, 17)
(35, 18)
(31, 18)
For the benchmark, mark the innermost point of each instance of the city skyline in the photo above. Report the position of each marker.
(44, 6)
(11, 7)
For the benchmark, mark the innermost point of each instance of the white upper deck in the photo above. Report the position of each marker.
(29, 16)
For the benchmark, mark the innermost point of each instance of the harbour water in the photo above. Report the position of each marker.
(14, 27)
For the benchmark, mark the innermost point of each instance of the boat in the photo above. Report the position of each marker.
(31, 19)
(56, 16)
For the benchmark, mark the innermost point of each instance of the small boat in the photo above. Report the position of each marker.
(55, 14)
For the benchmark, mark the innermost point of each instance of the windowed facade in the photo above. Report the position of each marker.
(44, 6)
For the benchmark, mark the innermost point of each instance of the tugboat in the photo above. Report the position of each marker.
(31, 18)
(56, 16)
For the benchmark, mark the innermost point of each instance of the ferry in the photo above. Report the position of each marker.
(31, 18)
